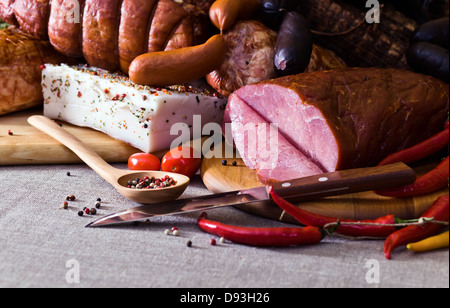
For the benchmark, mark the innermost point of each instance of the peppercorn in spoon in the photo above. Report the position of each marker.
(118, 178)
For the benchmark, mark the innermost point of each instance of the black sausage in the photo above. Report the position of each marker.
(294, 45)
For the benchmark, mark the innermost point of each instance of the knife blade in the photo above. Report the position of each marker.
(296, 190)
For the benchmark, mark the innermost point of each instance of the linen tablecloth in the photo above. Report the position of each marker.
(43, 245)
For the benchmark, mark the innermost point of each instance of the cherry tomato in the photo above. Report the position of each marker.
(144, 161)
(183, 160)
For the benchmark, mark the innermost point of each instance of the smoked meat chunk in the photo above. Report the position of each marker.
(348, 118)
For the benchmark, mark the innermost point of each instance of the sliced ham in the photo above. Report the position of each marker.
(263, 148)
(341, 119)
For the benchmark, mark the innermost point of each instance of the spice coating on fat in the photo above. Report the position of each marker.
(138, 115)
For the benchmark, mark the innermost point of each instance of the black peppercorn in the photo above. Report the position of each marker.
(224, 162)
(80, 213)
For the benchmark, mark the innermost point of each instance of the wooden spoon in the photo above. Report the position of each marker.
(116, 177)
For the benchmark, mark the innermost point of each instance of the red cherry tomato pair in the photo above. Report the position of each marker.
(182, 160)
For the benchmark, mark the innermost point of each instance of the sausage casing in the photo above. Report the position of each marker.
(178, 66)
(294, 45)
(224, 13)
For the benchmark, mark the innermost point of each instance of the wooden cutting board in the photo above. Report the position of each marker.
(28, 145)
(366, 205)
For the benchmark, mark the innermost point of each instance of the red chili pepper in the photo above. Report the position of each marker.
(430, 182)
(262, 237)
(361, 230)
(438, 211)
(420, 150)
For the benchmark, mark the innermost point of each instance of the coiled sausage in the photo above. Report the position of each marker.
(100, 33)
(32, 16)
(64, 27)
(110, 34)
(133, 31)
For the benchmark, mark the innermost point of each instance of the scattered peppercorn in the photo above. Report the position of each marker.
(97, 204)
(189, 244)
(99, 199)
(213, 242)
(234, 163)
(68, 173)
(93, 211)
(10, 132)
(167, 232)
(176, 232)
(72, 198)
(80, 213)
(87, 211)
(224, 162)
(222, 239)
(65, 205)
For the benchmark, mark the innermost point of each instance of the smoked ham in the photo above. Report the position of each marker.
(340, 119)
(21, 58)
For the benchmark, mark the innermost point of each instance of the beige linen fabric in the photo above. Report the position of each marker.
(40, 243)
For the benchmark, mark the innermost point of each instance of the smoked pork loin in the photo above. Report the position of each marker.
(20, 74)
(333, 120)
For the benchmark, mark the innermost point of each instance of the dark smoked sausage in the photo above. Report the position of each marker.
(428, 50)
(429, 59)
(294, 45)
(272, 12)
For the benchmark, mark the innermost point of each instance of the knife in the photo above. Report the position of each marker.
(297, 190)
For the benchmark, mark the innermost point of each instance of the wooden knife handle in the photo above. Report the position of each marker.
(346, 181)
